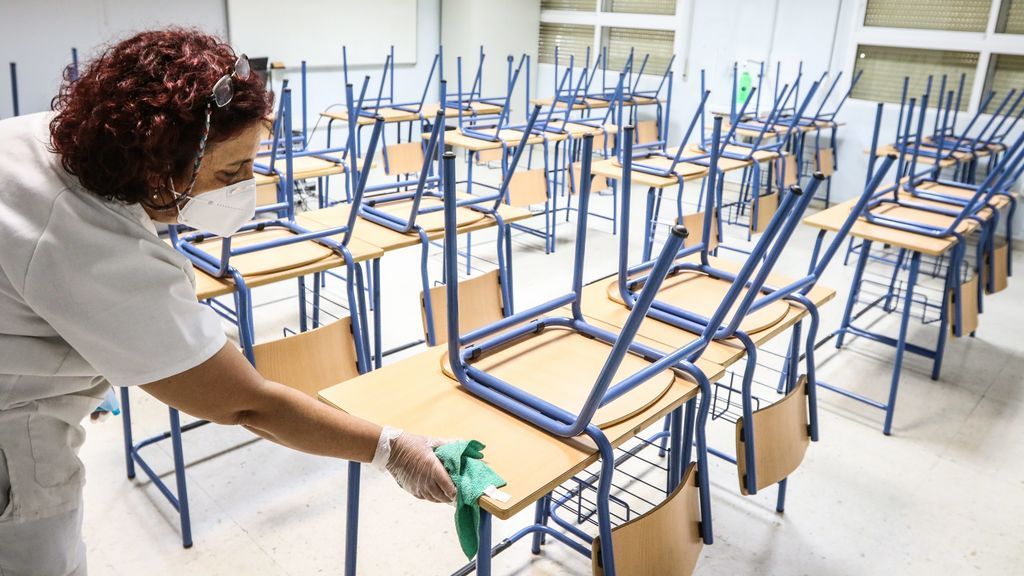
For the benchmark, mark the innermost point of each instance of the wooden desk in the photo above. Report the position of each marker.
(415, 395)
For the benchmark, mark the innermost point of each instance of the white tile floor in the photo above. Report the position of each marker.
(944, 493)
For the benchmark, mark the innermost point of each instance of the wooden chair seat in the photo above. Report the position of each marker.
(999, 201)
(312, 167)
(918, 216)
(537, 364)
(432, 221)
(271, 260)
(701, 294)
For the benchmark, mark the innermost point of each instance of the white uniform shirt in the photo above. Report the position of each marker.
(89, 296)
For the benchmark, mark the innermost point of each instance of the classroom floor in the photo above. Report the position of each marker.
(944, 493)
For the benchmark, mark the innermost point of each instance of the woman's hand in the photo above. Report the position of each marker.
(410, 459)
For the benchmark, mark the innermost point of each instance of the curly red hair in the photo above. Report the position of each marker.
(133, 118)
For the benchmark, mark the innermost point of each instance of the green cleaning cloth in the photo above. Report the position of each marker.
(472, 477)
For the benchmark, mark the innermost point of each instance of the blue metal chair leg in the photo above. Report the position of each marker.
(780, 502)
(352, 518)
(915, 263)
(179, 477)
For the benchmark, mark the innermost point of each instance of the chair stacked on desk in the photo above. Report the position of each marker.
(914, 221)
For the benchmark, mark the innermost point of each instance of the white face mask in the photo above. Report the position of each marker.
(222, 211)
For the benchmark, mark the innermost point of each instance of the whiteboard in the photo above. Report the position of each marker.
(315, 30)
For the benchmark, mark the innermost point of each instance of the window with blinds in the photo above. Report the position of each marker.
(666, 7)
(658, 43)
(1011, 17)
(1005, 73)
(950, 15)
(885, 67)
(571, 39)
(577, 5)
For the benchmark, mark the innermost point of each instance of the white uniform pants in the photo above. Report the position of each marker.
(40, 497)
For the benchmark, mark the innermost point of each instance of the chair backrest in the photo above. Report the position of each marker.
(528, 187)
(646, 131)
(404, 158)
(310, 361)
(597, 183)
(480, 304)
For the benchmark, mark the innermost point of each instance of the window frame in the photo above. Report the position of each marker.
(985, 44)
(601, 20)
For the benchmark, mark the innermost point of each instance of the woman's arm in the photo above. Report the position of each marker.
(226, 389)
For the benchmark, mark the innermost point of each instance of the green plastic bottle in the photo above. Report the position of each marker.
(744, 89)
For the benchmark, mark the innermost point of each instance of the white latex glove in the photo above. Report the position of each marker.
(410, 459)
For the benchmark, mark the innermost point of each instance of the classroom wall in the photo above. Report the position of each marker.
(713, 34)
(89, 24)
(32, 34)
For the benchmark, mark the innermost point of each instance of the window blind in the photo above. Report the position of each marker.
(1005, 73)
(571, 39)
(577, 5)
(660, 44)
(950, 15)
(885, 67)
(1011, 17)
(667, 7)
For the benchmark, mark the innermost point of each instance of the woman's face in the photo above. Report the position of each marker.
(224, 163)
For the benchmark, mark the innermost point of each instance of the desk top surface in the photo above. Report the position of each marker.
(832, 219)
(414, 394)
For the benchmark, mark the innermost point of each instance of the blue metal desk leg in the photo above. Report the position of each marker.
(179, 476)
(352, 518)
(915, 264)
(126, 423)
(378, 338)
(540, 518)
(483, 555)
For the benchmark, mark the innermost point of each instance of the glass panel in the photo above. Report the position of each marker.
(1006, 73)
(660, 44)
(884, 68)
(953, 15)
(1011, 17)
(667, 7)
(580, 5)
(571, 39)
